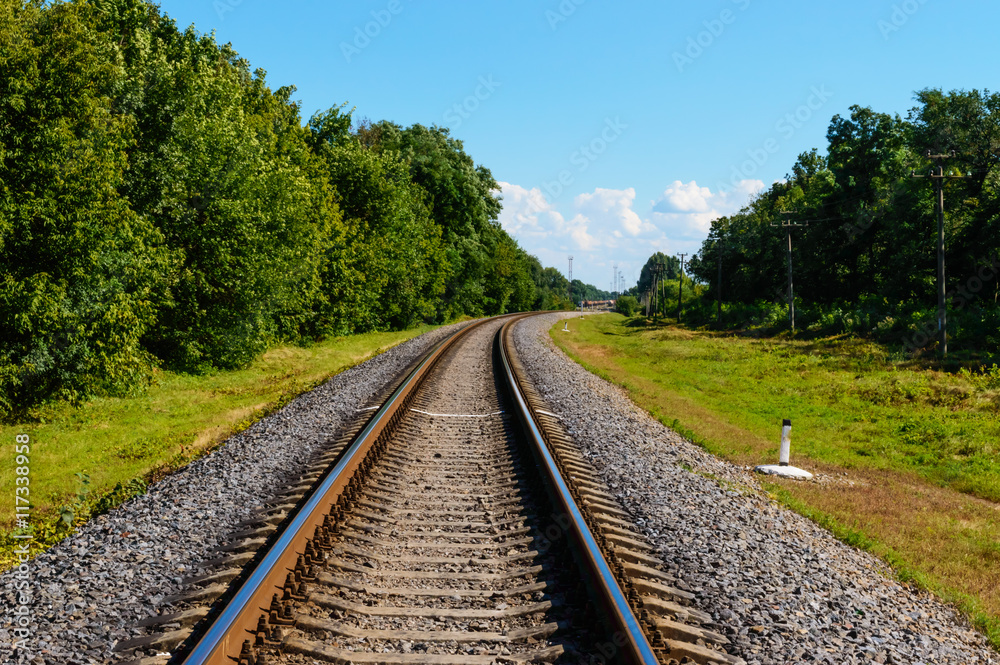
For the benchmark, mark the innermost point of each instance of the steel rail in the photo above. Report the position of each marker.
(635, 648)
(223, 640)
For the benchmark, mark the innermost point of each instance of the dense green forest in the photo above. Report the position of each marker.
(867, 260)
(161, 206)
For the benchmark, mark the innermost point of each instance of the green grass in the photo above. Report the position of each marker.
(851, 402)
(919, 445)
(85, 460)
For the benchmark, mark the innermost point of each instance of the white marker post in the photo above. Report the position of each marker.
(782, 468)
(786, 442)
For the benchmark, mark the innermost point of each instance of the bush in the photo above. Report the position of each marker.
(627, 305)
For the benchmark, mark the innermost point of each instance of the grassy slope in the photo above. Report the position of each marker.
(122, 440)
(919, 446)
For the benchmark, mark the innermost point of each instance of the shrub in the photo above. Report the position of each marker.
(627, 305)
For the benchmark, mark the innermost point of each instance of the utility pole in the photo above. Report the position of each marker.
(614, 281)
(939, 179)
(569, 289)
(656, 290)
(660, 270)
(788, 225)
(652, 291)
(718, 288)
(680, 289)
(657, 271)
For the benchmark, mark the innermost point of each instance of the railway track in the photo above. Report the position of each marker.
(454, 522)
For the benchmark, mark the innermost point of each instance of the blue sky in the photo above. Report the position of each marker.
(615, 129)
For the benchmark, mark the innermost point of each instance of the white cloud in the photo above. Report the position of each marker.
(611, 209)
(686, 210)
(527, 214)
(578, 229)
(603, 228)
(679, 197)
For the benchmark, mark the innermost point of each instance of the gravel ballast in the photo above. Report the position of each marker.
(783, 589)
(91, 588)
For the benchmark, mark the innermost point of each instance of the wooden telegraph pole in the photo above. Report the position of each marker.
(938, 178)
(680, 289)
(718, 287)
(652, 292)
(789, 226)
(660, 269)
(569, 287)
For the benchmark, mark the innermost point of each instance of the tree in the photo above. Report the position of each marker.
(386, 267)
(869, 246)
(580, 292)
(672, 269)
(223, 169)
(161, 204)
(462, 202)
(80, 270)
(508, 285)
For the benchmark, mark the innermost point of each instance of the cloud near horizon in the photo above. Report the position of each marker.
(605, 227)
(689, 209)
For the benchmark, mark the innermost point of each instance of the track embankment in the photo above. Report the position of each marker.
(786, 590)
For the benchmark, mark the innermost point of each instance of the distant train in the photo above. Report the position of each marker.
(598, 304)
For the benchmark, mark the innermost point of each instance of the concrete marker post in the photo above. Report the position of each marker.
(783, 468)
(786, 442)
